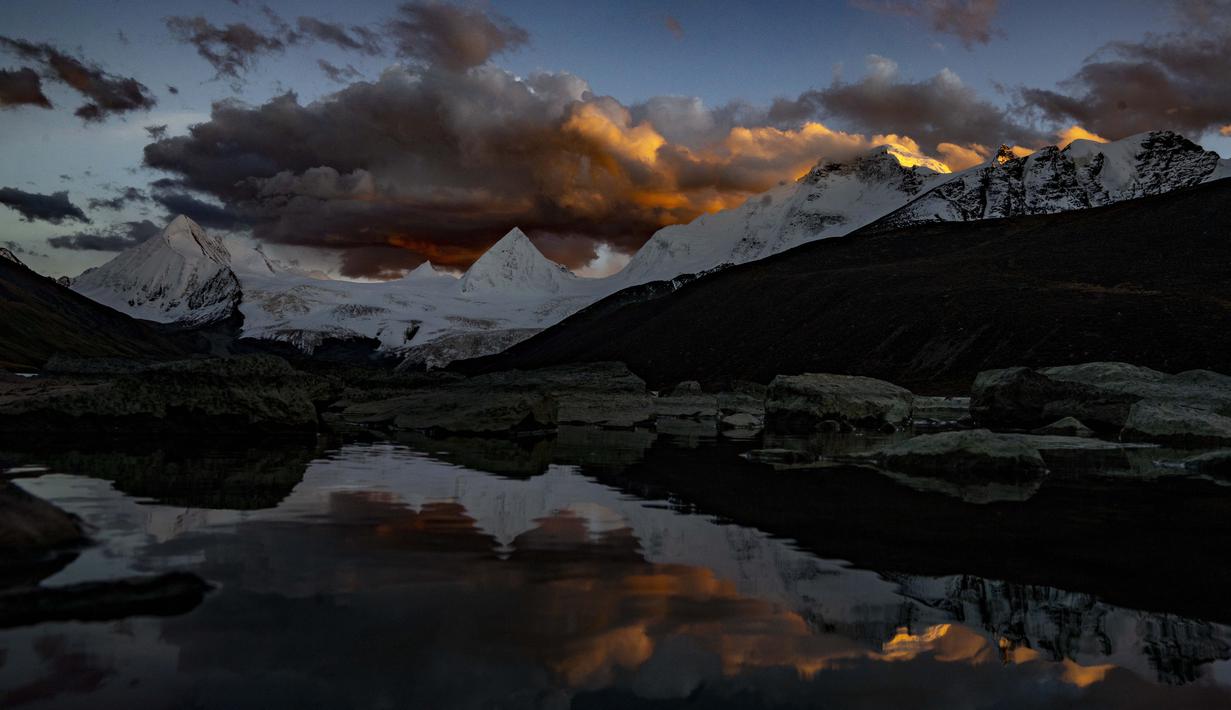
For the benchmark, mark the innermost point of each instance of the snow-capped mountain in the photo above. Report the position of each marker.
(514, 266)
(181, 276)
(512, 291)
(1083, 174)
(832, 199)
(10, 256)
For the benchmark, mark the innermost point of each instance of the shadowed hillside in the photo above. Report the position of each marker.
(39, 318)
(1144, 281)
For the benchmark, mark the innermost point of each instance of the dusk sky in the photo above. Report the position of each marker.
(364, 137)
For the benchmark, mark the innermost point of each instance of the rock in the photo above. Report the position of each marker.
(603, 393)
(1100, 394)
(687, 400)
(742, 421)
(1067, 426)
(1201, 389)
(796, 401)
(250, 394)
(779, 456)
(977, 454)
(1019, 397)
(29, 523)
(462, 409)
(164, 595)
(1178, 424)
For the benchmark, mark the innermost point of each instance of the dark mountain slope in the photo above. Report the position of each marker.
(1146, 281)
(39, 318)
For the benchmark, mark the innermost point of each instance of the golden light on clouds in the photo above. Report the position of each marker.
(1076, 132)
(1225, 130)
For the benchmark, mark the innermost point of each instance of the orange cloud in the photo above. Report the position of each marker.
(1225, 130)
(1076, 132)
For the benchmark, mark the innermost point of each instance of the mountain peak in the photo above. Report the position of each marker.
(186, 236)
(514, 266)
(10, 256)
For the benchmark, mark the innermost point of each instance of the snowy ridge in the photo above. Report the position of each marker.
(181, 276)
(1084, 174)
(10, 256)
(832, 199)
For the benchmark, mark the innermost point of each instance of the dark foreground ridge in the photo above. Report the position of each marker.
(40, 318)
(930, 306)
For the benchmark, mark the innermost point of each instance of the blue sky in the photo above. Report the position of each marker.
(722, 52)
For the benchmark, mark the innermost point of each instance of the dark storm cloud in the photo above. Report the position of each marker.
(454, 37)
(419, 160)
(22, 87)
(124, 196)
(23, 251)
(968, 20)
(231, 49)
(203, 213)
(173, 89)
(117, 237)
(1172, 80)
(157, 132)
(54, 208)
(934, 111)
(357, 39)
(339, 74)
(106, 93)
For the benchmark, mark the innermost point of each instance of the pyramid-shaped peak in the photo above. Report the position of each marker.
(186, 236)
(514, 266)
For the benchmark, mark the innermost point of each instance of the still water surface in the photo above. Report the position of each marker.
(380, 576)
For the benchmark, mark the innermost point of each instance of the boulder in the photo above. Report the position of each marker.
(687, 400)
(801, 401)
(254, 393)
(1018, 397)
(1175, 423)
(1068, 426)
(1202, 389)
(976, 454)
(29, 523)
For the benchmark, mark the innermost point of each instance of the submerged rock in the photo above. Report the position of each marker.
(965, 455)
(742, 421)
(30, 524)
(164, 595)
(1068, 426)
(779, 456)
(1213, 463)
(795, 401)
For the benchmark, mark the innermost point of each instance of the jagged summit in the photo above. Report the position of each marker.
(1084, 174)
(515, 267)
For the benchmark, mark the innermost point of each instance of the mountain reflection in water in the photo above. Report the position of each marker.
(388, 577)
